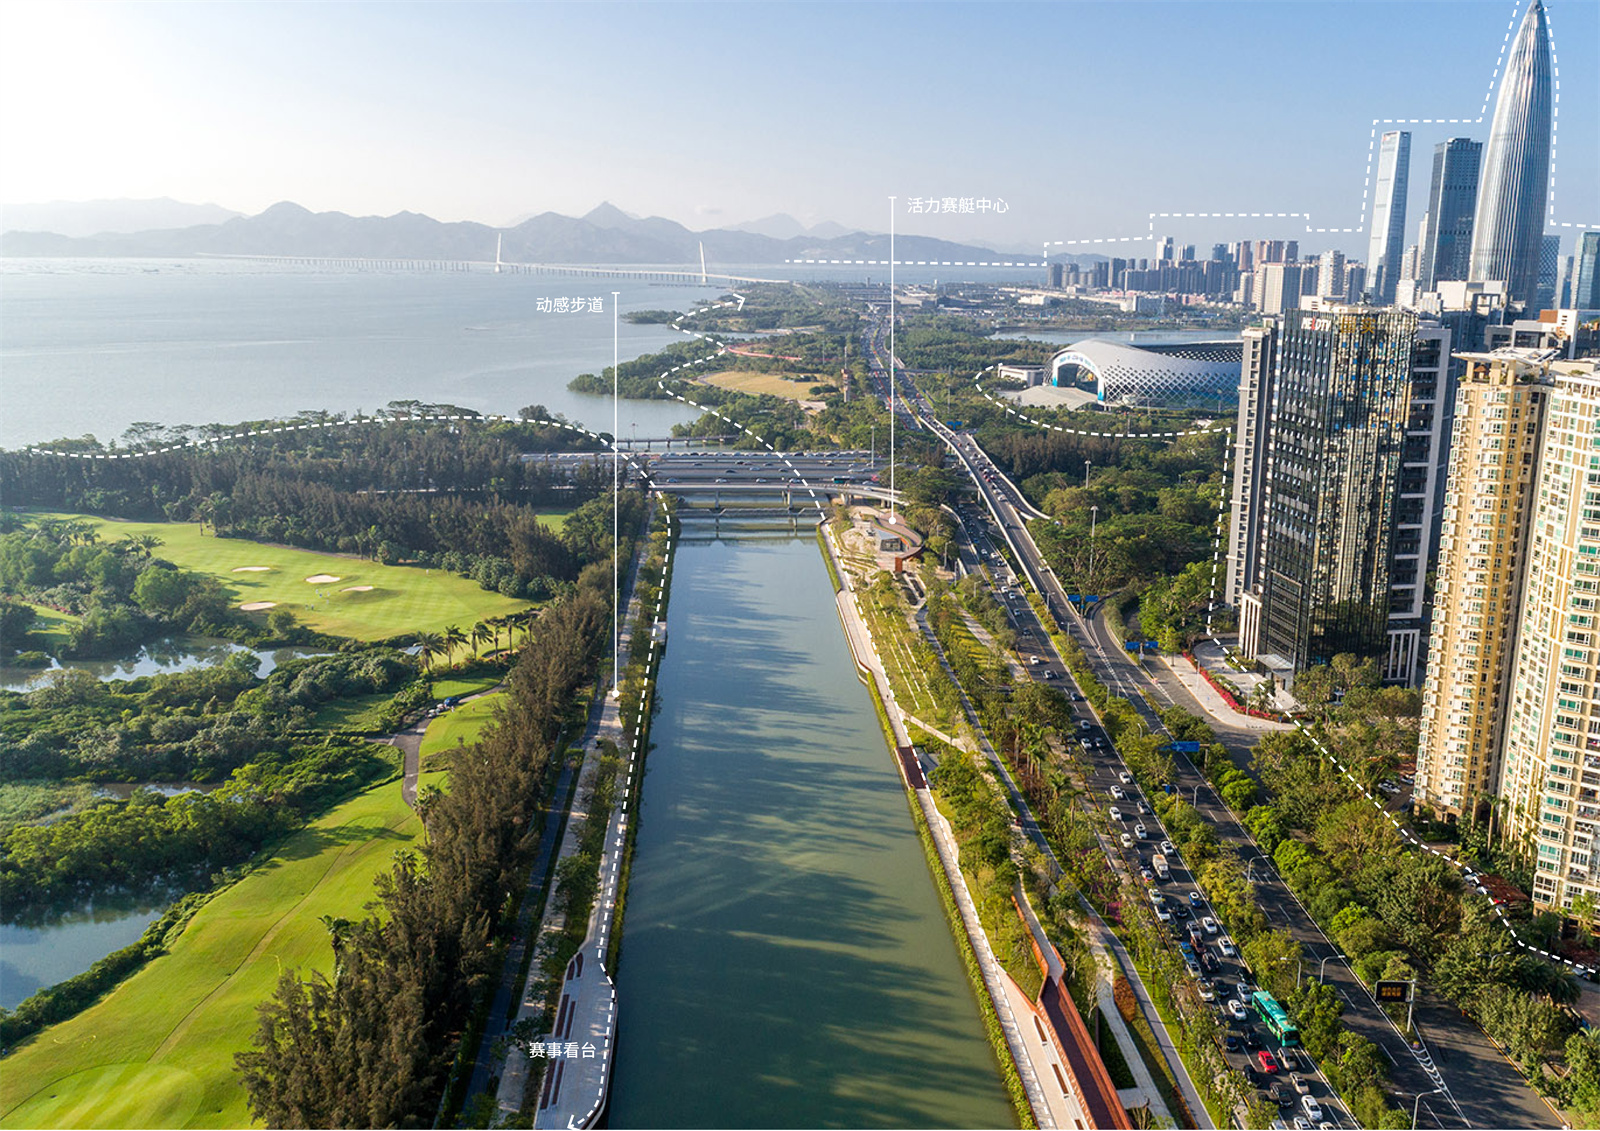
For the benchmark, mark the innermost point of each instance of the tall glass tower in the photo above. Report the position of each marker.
(1388, 243)
(1447, 232)
(1507, 235)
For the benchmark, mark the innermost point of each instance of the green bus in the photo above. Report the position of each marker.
(1275, 1017)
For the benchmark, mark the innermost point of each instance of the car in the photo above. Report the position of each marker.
(1147, 875)
(1289, 1060)
(1195, 899)
(1269, 1063)
(1034, 660)
(1157, 899)
(1230, 1041)
(1225, 945)
(1298, 1083)
(1252, 1039)
(1312, 1108)
(1127, 841)
(1167, 848)
(1208, 962)
(1144, 809)
(1236, 1009)
(1163, 914)
(1243, 990)
(1116, 814)
(1208, 925)
(1185, 949)
(1180, 910)
(1139, 831)
(1282, 1096)
(1125, 778)
(1051, 675)
(1117, 794)
(1301, 1123)
(1206, 992)
(1192, 965)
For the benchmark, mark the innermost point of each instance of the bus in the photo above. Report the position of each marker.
(1275, 1017)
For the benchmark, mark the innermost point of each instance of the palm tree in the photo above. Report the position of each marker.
(481, 634)
(453, 639)
(429, 645)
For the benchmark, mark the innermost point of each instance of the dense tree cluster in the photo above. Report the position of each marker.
(370, 1045)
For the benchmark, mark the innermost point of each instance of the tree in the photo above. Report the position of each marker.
(480, 635)
(453, 638)
(429, 645)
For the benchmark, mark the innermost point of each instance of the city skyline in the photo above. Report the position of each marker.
(406, 109)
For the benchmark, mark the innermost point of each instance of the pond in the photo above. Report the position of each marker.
(160, 657)
(34, 957)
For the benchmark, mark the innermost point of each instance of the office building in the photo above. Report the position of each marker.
(1344, 490)
(1515, 177)
(1355, 281)
(1494, 453)
(1586, 279)
(1550, 765)
(1549, 269)
(1452, 198)
(1388, 239)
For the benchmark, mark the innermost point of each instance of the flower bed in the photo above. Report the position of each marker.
(1230, 696)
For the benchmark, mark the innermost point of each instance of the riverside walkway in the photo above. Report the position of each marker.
(1002, 990)
(576, 1053)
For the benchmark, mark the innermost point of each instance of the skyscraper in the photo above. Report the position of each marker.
(1586, 284)
(1277, 287)
(1515, 178)
(1452, 197)
(1550, 768)
(1388, 242)
(1260, 355)
(1330, 275)
(1345, 483)
(1549, 273)
(1494, 450)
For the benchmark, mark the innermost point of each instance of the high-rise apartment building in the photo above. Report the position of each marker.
(1342, 490)
(1586, 280)
(1330, 275)
(1500, 402)
(1550, 767)
(1388, 241)
(1515, 177)
(1452, 198)
(1277, 287)
(1355, 281)
(1249, 456)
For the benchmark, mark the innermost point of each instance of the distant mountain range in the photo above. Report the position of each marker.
(605, 235)
(79, 218)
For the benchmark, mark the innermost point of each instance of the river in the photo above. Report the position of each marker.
(786, 961)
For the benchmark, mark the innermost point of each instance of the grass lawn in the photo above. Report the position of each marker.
(158, 1050)
(461, 724)
(50, 628)
(446, 686)
(773, 384)
(402, 598)
(554, 517)
(354, 714)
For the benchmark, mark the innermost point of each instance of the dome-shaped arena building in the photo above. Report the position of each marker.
(1168, 374)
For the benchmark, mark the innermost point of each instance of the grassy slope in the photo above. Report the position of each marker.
(461, 724)
(403, 599)
(50, 628)
(773, 384)
(158, 1051)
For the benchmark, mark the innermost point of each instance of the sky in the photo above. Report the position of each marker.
(1083, 118)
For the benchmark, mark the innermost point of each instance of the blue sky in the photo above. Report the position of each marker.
(1083, 117)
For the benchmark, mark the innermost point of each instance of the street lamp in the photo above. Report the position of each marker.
(1416, 1107)
(1094, 514)
(1324, 965)
(1087, 464)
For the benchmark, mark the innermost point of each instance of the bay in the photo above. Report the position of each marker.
(91, 346)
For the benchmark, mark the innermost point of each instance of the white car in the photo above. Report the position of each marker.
(1166, 848)
(1225, 944)
(1236, 1010)
(1208, 925)
(1117, 794)
(1312, 1108)
(1116, 814)
(1139, 831)
(1125, 778)
(1206, 992)
(1127, 841)
(1162, 913)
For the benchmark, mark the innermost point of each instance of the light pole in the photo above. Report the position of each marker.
(1087, 464)
(1094, 514)
(1195, 802)
(1417, 1107)
(1323, 966)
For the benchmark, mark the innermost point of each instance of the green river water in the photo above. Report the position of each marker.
(786, 961)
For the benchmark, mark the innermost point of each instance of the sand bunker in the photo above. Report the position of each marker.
(252, 569)
(258, 606)
(323, 579)
(356, 589)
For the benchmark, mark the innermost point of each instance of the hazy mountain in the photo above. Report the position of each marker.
(605, 235)
(92, 217)
(782, 226)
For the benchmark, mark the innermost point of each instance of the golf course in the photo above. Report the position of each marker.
(158, 1050)
(332, 593)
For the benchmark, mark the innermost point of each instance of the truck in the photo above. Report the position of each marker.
(1158, 865)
